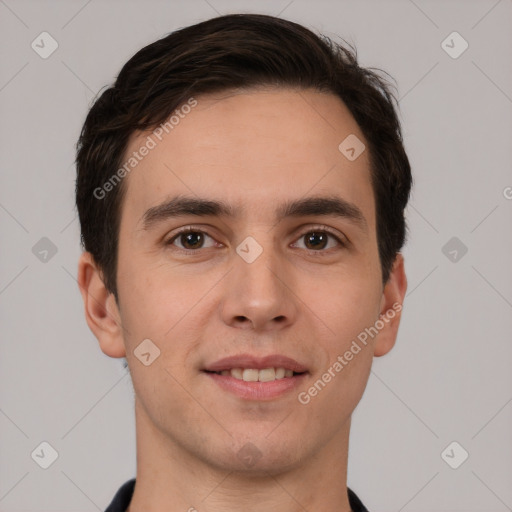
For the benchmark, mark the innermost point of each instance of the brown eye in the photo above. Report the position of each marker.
(190, 240)
(319, 239)
(316, 240)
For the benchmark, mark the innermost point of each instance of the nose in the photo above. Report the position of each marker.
(258, 294)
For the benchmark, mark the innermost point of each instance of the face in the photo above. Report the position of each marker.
(265, 272)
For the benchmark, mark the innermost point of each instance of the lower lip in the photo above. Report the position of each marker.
(258, 390)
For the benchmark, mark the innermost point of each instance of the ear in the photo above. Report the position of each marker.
(101, 309)
(391, 307)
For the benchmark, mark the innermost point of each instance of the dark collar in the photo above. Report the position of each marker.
(124, 496)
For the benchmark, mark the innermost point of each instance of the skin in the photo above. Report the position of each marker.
(257, 149)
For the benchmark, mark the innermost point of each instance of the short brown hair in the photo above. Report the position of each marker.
(228, 52)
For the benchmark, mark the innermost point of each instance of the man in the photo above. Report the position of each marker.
(241, 191)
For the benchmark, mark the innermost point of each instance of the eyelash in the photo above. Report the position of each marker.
(314, 229)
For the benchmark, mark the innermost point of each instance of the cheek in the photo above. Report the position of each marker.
(147, 289)
(341, 379)
(164, 304)
(349, 350)
(346, 304)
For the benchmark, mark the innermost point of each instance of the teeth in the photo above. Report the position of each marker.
(254, 375)
(237, 373)
(267, 375)
(250, 375)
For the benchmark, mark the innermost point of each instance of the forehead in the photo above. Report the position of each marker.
(251, 149)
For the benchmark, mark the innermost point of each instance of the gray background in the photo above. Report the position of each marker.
(448, 378)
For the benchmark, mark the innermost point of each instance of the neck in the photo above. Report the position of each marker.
(170, 478)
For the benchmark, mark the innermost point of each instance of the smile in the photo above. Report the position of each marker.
(255, 375)
(250, 384)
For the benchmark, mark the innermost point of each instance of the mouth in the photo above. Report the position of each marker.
(254, 378)
(255, 375)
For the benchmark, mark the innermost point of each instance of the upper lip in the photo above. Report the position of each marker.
(258, 363)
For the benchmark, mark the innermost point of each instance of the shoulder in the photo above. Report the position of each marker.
(355, 503)
(122, 498)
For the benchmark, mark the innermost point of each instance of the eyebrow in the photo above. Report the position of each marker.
(180, 206)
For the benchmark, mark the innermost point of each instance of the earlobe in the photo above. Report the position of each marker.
(101, 311)
(391, 307)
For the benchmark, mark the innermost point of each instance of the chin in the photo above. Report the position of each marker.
(257, 456)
